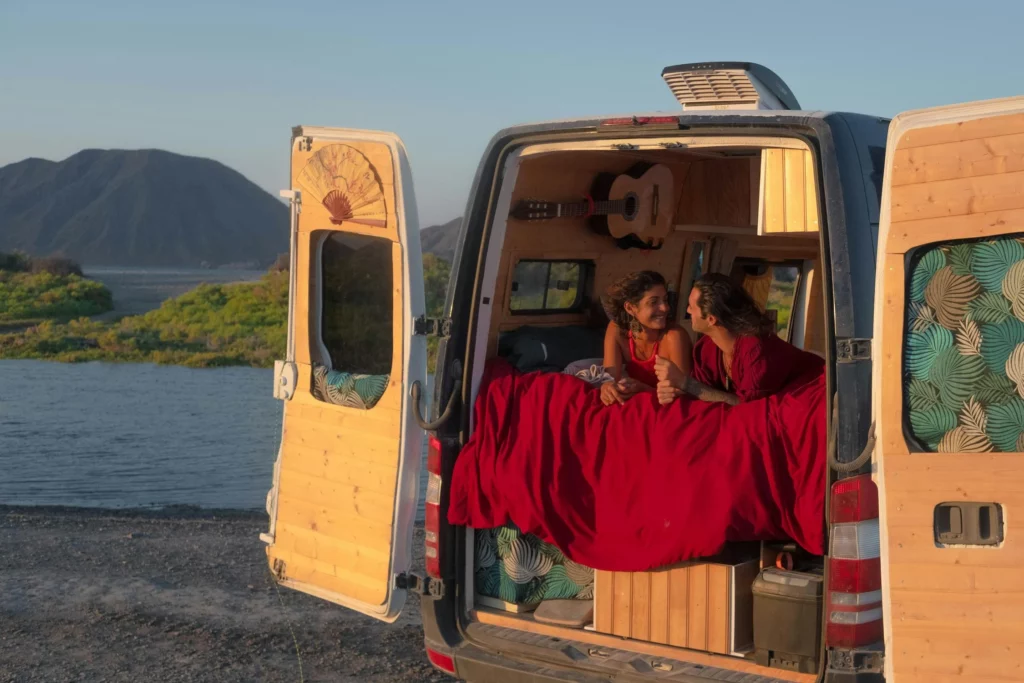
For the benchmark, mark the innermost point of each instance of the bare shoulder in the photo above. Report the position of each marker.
(677, 336)
(614, 331)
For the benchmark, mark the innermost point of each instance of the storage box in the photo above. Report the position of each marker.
(787, 619)
(699, 605)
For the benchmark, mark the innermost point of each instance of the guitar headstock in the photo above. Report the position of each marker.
(534, 210)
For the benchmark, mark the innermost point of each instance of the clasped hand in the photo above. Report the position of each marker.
(670, 380)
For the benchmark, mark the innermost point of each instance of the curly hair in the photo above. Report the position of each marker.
(732, 306)
(632, 289)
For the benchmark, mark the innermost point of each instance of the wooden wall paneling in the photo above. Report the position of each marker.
(717, 192)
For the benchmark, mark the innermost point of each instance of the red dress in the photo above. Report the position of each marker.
(761, 366)
(642, 370)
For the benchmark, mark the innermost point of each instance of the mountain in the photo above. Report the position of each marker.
(139, 208)
(441, 240)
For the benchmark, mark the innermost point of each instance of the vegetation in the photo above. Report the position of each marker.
(34, 289)
(233, 324)
(213, 325)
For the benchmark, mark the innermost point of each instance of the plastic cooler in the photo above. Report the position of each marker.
(787, 619)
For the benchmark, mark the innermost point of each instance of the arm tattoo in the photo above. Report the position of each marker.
(705, 393)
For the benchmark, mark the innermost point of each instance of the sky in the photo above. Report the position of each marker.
(229, 80)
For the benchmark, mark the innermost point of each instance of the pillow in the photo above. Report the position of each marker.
(532, 348)
(595, 375)
(346, 388)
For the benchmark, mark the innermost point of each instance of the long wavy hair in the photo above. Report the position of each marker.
(732, 306)
(632, 289)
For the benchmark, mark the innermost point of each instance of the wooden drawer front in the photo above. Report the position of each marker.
(700, 606)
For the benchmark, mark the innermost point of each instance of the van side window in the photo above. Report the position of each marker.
(964, 347)
(773, 287)
(352, 338)
(548, 286)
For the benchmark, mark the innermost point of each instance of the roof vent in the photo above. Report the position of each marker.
(728, 85)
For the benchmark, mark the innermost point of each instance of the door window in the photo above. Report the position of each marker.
(963, 372)
(355, 328)
(773, 287)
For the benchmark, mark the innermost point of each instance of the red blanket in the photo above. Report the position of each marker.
(641, 486)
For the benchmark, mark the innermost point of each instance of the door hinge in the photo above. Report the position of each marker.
(278, 569)
(285, 379)
(421, 585)
(432, 327)
(853, 350)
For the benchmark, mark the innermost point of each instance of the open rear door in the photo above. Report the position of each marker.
(343, 504)
(949, 393)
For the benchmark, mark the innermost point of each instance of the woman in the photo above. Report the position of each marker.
(639, 333)
(739, 358)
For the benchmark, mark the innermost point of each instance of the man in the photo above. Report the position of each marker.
(739, 358)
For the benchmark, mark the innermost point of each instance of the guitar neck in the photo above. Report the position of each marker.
(583, 209)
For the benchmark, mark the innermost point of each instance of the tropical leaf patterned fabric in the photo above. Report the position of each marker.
(520, 568)
(346, 388)
(964, 353)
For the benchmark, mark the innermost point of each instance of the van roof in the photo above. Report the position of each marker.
(703, 117)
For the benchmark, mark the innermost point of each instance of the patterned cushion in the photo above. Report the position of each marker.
(964, 347)
(348, 389)
(520, 568)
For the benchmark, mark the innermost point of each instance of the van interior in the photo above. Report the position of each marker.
(747, 207)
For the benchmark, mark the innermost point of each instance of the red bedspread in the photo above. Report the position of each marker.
(640, 486)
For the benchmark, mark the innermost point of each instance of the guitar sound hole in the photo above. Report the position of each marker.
(630, 207)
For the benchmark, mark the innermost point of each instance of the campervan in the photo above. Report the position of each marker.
(893, 249)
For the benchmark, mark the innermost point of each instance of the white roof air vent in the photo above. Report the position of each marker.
(728, 85)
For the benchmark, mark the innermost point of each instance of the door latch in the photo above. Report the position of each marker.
(421, 585)
(853, 350)
(968, 524)
(432, 327)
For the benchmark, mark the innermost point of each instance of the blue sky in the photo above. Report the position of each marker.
(228, 80)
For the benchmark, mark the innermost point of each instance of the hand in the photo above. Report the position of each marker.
(667, 392)
(667, 371)
(629, 387)
(610, 394)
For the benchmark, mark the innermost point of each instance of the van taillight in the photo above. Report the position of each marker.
(855, 570)
(432, 510)
(441, 661)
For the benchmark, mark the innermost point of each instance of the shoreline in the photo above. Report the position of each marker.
(168, 512)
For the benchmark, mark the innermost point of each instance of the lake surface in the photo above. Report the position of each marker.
(137, 290)
(136, 435)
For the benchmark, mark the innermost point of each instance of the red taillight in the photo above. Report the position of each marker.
(443, 662)
(642, 121)
(855, 570)
(432, 510)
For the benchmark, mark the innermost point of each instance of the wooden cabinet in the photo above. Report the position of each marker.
(789, 192)
(701, 605)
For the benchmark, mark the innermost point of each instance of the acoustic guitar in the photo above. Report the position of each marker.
(635, 208)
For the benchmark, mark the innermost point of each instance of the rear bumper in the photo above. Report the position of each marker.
(499, 655)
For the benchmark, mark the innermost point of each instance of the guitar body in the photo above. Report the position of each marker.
(634, 208)
(647, 193)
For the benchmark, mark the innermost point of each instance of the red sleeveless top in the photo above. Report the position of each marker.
(642, 370)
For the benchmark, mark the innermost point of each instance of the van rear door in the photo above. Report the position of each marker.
(949, 393)
(344, 499)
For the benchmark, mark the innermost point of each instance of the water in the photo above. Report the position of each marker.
(137, 290)
(135, 435)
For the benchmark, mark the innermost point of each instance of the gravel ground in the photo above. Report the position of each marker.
(179, 595)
